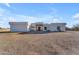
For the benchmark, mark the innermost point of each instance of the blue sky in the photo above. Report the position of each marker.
(39, 12)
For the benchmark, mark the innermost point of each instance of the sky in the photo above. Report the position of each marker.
(39, 12)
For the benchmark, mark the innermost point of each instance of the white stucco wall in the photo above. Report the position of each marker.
(22, 26)
(51, 27)
(18, 26)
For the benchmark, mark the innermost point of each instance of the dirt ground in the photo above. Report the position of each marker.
(55, 43)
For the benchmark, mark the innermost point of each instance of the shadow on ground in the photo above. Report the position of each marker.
(38, 32)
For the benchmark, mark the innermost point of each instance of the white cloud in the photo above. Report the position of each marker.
(32, 19)
(1, 11)
(7, 4)
(7, 16)
(0, 14)
(76, 16)
(55, 20)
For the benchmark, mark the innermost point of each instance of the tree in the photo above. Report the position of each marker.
(69, 29)
(75, 27)
(0, 28)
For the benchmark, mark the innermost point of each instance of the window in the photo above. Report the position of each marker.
(58, 28)
(45, 28)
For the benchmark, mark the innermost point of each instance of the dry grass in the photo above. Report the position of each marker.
(42, 44)
(4, 30)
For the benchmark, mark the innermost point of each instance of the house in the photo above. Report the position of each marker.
(38, 26)
(18, 26)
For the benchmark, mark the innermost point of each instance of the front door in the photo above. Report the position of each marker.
(39, 29)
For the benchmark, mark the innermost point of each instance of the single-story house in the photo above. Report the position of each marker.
(38, 26)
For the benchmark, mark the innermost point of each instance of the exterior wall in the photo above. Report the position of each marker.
(46, 25)
(50, 27)
(53, 26)
(63, 28)
(34, 27)
(22, 26)
(18, 26)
